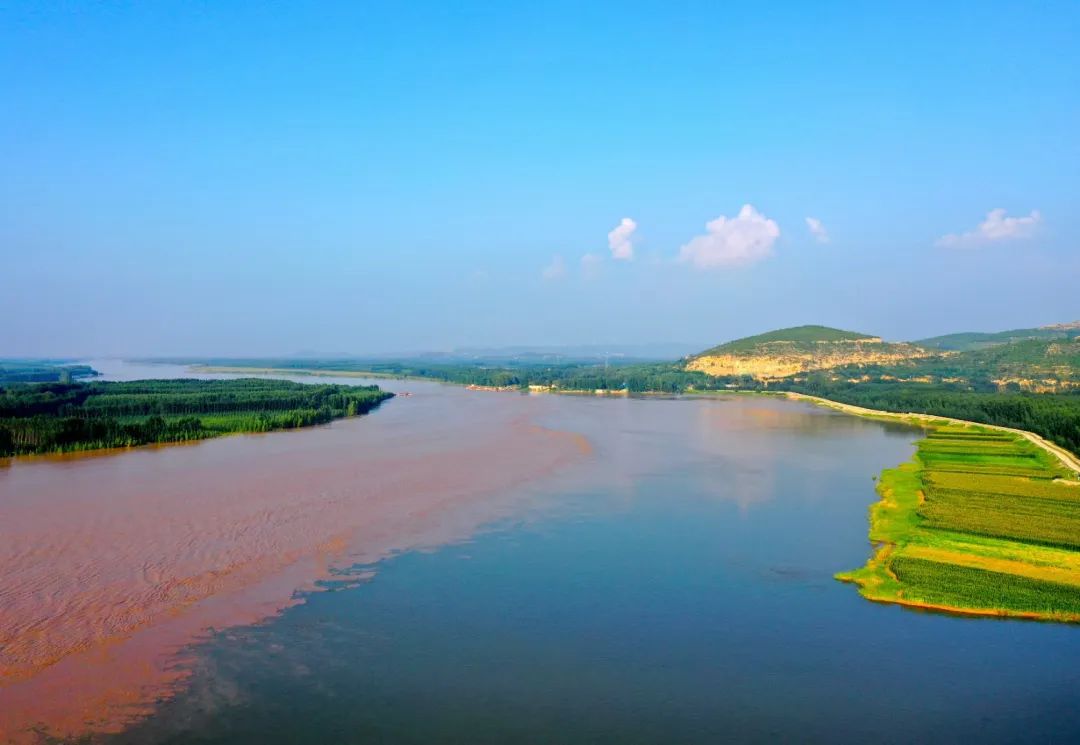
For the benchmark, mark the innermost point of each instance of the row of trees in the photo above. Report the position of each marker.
(57, 417)
(41, 371)
(1053, 416)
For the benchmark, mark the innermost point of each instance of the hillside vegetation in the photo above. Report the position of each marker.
(796, 335)
(787, 352)
(1036, 365)
(1045, 360)
(969, 341)
(86, 416)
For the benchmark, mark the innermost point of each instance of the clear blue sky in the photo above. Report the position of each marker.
(262, 178)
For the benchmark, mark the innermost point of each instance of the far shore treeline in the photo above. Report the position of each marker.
(963, 385)
(43, 371)
(58, 417)
(1024, 378)
(1055, 416)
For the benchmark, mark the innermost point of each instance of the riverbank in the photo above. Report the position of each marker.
(1070, 460)
(80, 417)
(226, 370)
(997, 542)
(982, 521)
(1067, 459)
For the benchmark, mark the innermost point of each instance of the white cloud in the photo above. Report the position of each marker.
(555, 270)
(590, 265)
(734, 241)
(821, 235)
(621, 239)
(996, 227)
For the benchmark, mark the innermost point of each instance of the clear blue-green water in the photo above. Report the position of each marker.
(677, 588)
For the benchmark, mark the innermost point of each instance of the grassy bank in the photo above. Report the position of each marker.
(980, 521)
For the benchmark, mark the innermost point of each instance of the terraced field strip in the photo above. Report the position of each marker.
(981, 521)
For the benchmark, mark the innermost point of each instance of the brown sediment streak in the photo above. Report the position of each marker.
(581, 442)
(111, 566)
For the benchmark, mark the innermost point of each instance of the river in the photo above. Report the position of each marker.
(463, 566)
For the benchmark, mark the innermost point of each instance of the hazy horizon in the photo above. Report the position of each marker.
(644, 350)
(226, 181)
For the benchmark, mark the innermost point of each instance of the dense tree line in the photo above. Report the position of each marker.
(972, 395)
(668, 377)
(42, 371)
(1053, 416)
(81, 416)
(619, 374)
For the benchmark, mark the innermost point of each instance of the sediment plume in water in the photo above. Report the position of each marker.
(112, 564)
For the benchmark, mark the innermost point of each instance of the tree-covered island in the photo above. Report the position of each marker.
(61, 417)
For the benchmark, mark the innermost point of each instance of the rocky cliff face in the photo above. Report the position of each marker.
(779, 359)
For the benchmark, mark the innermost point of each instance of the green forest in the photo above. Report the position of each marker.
(42, 371)
(60, 417)
(1053, 416)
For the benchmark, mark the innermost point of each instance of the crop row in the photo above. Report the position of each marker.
(965, 587)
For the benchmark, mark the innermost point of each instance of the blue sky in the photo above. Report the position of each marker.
(234, 178)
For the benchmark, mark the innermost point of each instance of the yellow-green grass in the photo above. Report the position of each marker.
(979, 521)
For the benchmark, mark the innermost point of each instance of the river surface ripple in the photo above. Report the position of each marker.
(110, 563)
(484, 567)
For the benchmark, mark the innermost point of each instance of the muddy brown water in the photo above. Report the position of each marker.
(468, 566)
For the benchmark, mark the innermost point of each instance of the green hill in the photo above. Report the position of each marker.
(795, 335)
(785, 352)
(973, 340)
(1040, 365)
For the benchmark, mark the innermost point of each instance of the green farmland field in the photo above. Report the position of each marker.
(979, 521)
